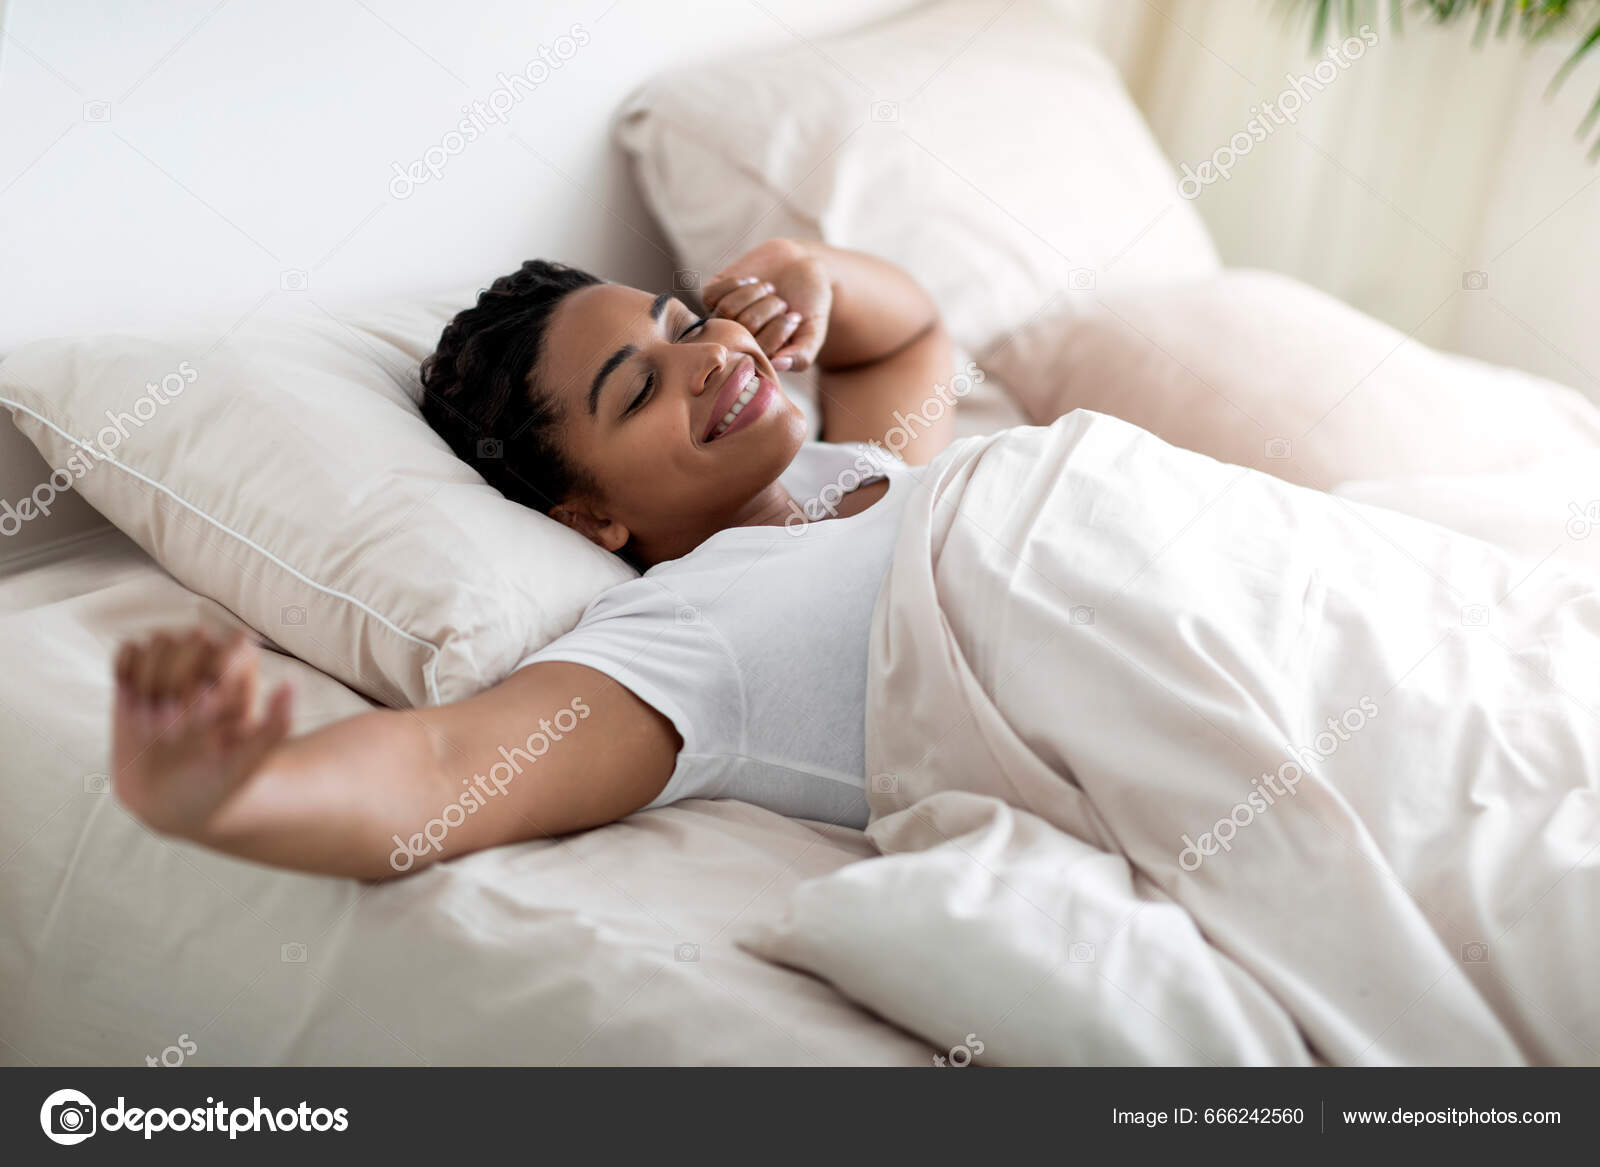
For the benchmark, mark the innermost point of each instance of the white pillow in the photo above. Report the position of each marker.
(1263, 371)
(286, 472)
(984, 146)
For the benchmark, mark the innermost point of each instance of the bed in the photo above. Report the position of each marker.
(614, 947)
(636, 943)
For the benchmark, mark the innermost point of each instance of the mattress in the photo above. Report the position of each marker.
(616, 946)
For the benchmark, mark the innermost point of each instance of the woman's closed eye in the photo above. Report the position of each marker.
(650, 381)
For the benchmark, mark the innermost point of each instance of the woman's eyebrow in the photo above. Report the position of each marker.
(612, 362)
(657, 306)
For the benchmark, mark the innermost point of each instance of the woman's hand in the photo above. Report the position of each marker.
(185, 736)
(870, 329)
(779, 291)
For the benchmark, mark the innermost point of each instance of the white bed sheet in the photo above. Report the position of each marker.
(616, 946)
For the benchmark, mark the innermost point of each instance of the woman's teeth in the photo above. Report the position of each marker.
(745, 394)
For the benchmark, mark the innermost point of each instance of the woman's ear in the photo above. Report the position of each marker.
(596, 528)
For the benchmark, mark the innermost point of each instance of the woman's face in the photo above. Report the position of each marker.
(646, 393)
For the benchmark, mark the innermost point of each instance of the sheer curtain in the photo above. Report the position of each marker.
(1429, 182)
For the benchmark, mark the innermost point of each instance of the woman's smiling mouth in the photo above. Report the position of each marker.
(744, 396)
(752, 383)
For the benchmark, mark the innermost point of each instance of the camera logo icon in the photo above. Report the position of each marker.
(1082, 614)
(685, 280)
(97, 111)
(1277, 449)
(885, 784)
(686, 953)
(1475, 616)
(885, 111)
(68, 1117)
(1081, 953)
(1081, 279)
(292, 953)
(491, 448)
(1474, 281)
(688, 615)
(292, 614)
(1474, 952)
(294, 280)
(97, 783)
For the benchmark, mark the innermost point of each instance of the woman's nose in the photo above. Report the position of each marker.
(716, 360)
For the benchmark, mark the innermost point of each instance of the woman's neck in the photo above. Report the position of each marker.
(772, 507)
(768, 509)
(784, 510)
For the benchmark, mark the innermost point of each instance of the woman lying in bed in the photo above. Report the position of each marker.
(734, 667)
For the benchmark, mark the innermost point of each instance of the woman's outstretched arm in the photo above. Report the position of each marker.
(551, 749)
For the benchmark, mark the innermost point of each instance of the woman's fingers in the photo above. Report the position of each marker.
(741, 298)
(237, 678)
(122, 668)
(191, 654)
(255, 736)
(777, 331)
(763, 311)
(721, 285)
(280, 712)
(801, 348)
(150, 667)
(171, 670)
(174, 760)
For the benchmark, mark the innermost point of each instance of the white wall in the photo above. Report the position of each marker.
(251, 138)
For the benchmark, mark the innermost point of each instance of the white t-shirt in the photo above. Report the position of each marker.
(754, 645)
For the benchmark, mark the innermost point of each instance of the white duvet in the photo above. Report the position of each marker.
(1175, 762)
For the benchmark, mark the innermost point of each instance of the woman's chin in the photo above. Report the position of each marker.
(779, 435)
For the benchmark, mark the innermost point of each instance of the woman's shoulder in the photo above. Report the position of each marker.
(650, 595)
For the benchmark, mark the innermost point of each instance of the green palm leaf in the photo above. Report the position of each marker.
(1535, 21)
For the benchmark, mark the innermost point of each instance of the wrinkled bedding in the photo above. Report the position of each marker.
(1176, 762)
(611, 947)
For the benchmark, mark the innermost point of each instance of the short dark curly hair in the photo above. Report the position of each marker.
(478, 391)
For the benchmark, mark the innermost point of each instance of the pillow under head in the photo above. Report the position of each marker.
(286, 471)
